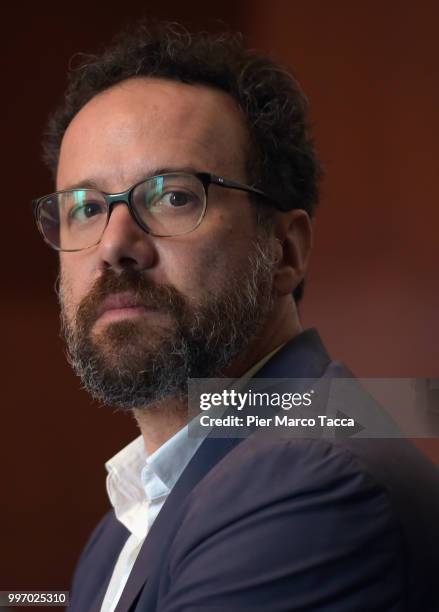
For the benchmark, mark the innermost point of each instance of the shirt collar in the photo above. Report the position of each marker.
(168, 462)
(136, 480)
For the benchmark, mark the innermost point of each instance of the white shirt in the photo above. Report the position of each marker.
(138, 485)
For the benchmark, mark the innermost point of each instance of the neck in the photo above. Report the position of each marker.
(159, 422)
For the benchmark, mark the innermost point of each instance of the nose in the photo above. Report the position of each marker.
(124, 244)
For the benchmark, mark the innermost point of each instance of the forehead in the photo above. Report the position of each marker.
(140, 125)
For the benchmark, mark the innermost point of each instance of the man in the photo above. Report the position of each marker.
(185, 183)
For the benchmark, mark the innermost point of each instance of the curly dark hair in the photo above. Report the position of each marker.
(281, 159)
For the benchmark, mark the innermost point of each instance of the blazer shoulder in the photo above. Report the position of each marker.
(274, 517)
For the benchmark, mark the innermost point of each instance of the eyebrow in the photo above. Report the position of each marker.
(90, 183)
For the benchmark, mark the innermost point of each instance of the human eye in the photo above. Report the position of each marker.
(83, 210)
(177, 198)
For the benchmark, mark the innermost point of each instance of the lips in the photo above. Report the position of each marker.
(119, 301)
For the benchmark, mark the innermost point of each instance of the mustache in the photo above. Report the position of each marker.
(146, 292)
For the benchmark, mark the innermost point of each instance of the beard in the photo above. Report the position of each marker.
(131, 364)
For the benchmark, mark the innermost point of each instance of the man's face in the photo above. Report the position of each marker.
(142, 313)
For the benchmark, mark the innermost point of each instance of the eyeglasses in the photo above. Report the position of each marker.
(165, 205)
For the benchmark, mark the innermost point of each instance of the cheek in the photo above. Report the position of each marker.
(73, 282)
(207, 265)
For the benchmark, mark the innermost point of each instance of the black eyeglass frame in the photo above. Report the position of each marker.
(112, 199)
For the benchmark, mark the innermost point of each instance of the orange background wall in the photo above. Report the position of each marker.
(370, 71)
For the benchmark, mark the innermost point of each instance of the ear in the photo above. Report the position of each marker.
(293, 243)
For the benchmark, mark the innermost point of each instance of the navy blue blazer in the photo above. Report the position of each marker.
(264, 525)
